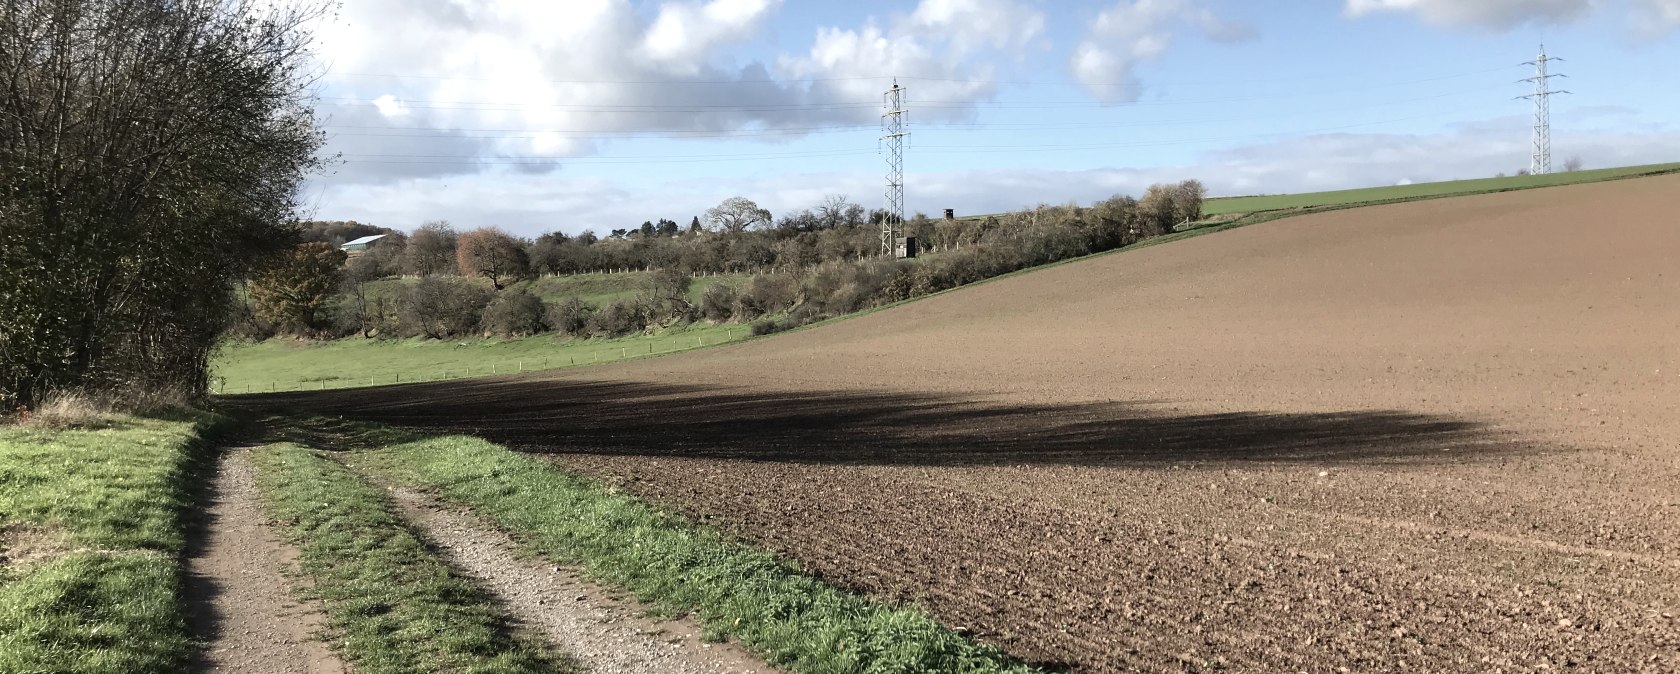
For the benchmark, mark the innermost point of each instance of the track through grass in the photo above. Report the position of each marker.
(91, 532)
(398, 606)
(763, 602)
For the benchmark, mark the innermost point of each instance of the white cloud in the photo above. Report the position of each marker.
(1492, 14)
(684, 33)
(1656, 17)
(972, 24)
(445, 82)
(530, 204)
(1137, 31)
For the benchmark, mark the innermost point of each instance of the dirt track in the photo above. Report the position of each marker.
(1438, 436)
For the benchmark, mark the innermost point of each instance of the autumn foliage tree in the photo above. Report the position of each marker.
(492, 254)
(290, 292)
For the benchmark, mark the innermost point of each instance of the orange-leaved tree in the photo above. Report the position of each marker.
(493, 254)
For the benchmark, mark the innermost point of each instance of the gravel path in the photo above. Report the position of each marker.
(606, 634)
(239, 600)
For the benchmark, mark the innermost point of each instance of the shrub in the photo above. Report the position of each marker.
(516, 313)
(666, 296)
(441, 308)
(766, 294)
(618, 319)
(570, 316)
(718, 302)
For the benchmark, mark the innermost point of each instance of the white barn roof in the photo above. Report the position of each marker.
(363, 241)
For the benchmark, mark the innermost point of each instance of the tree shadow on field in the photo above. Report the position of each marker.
(646, 419)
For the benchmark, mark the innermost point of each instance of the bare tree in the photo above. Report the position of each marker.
(1572, 164)
(431, 249)
(151, 153)
(836, 210)
(737, 214)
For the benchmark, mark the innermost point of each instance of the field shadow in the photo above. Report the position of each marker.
(647, 419)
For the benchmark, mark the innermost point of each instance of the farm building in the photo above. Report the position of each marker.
(361, 245)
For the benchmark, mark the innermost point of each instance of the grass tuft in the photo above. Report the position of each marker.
(91, 529)
(398, 606)
(736, 591)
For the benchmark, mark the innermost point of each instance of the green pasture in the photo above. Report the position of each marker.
(1252, 204)
(293, 365)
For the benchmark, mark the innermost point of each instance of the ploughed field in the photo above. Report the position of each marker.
(1441, 436)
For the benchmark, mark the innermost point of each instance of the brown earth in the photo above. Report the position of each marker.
(1438, 436)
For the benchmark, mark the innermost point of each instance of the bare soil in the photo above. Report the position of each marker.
(606, 634)
(239, 599)
(1441, 436)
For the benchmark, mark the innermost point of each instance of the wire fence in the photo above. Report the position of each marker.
(564, 357)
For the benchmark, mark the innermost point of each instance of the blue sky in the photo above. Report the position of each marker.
(600, 114)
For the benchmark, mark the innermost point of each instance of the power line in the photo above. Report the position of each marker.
(1541, 162)
(893, 128)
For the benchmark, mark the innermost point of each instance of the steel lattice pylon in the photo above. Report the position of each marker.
(1541, 163)
(893, 124)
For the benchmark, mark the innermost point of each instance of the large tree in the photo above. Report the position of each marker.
(737, 214)
(492, 254)
(431, 249)
(290, 292)
(150, 154)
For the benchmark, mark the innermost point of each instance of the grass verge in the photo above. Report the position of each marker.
(761, 601)
(289, 365)
(399, 608)
(1452, 188)
(91, 536)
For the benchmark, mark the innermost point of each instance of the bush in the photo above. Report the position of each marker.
(570, 316)
(440, 308)
(718, 302)
(770, 327)
(665, 296)
(516, 313)
(618, 319)
(766, 294)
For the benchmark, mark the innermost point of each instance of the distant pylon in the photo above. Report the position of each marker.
(1541, 163)
(893, 124)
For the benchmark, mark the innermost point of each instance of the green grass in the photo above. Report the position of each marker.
(1250, 204)
(282, 364)
(99, 509)
(398, 607)
(763, 602)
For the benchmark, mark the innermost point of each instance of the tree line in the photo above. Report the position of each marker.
(807, 265)
(150, 154)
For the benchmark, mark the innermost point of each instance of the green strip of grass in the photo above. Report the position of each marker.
(399, 607)
(289, 365)
(1394, 193)
(761, 601)
(91, 523)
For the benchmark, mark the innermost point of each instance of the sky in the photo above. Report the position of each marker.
(545, 115)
